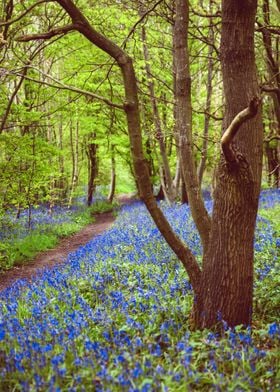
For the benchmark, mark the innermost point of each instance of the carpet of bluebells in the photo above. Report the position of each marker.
(42, 217)
(11, 227)
(40, 228)
(115, 317)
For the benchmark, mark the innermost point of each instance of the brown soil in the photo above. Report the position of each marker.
(52, 257)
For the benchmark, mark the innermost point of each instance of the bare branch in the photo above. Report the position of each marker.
(11, 21)
(234, 127)
(61, 86)
(139, 21)
(204, 39)
(11, 100)
(48, 34)
(270, 139)
(212, 115)
(271, 89)
(218, 14)
(269, 29)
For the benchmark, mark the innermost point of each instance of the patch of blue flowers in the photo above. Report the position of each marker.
(11, 227)
(115, 317)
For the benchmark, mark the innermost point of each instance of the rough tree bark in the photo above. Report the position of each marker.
(227, 277)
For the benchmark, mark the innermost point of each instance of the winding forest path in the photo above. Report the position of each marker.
(55, 256)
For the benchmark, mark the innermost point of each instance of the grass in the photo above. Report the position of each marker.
(102, 206)
(20, 243)
(115, 317)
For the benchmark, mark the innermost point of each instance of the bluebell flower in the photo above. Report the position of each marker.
(274, 330)
(2, 332)
(137, 371)
(57, 359)
(177, 377)
(147, 387)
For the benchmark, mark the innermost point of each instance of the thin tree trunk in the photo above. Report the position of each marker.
(61, 184)
(170, 191)
(11, 100)
(183, 114)
(211, 37)
(177, 178)
(113, 176)
(271, 145)
(93, 168)
(273, 150)
(75, 160)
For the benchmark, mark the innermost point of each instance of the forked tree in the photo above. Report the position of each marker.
(223, 284)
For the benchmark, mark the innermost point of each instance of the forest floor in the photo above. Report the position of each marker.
(52, 257)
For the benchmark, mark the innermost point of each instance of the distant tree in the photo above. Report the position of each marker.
(270, 37)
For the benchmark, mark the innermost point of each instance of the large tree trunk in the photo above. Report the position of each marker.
(227, 277)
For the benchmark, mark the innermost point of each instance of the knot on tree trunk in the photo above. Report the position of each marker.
(229, 151)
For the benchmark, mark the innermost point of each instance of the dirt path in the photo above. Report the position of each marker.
(55, 256)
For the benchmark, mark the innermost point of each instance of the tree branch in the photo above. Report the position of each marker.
(270, 139)
(212, 115)
(48, 34)
(143, 16)
(271, 89)
(218, 14)
(11, 21)
(270, 29)
(234, 127)
(62, 86)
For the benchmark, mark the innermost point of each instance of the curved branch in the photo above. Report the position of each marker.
(62, 86)
(270, 89)
(270, 139)
(143, 16)
(48, 34)
(9, 22)
(233, 128)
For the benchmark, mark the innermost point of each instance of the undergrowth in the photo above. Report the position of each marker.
(21, 243)
(115, 317)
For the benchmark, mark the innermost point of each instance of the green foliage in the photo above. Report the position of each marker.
(101, 206)
(272, 214)
(267, 297)
(267, 286)
(21, 250)
(26, 248)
